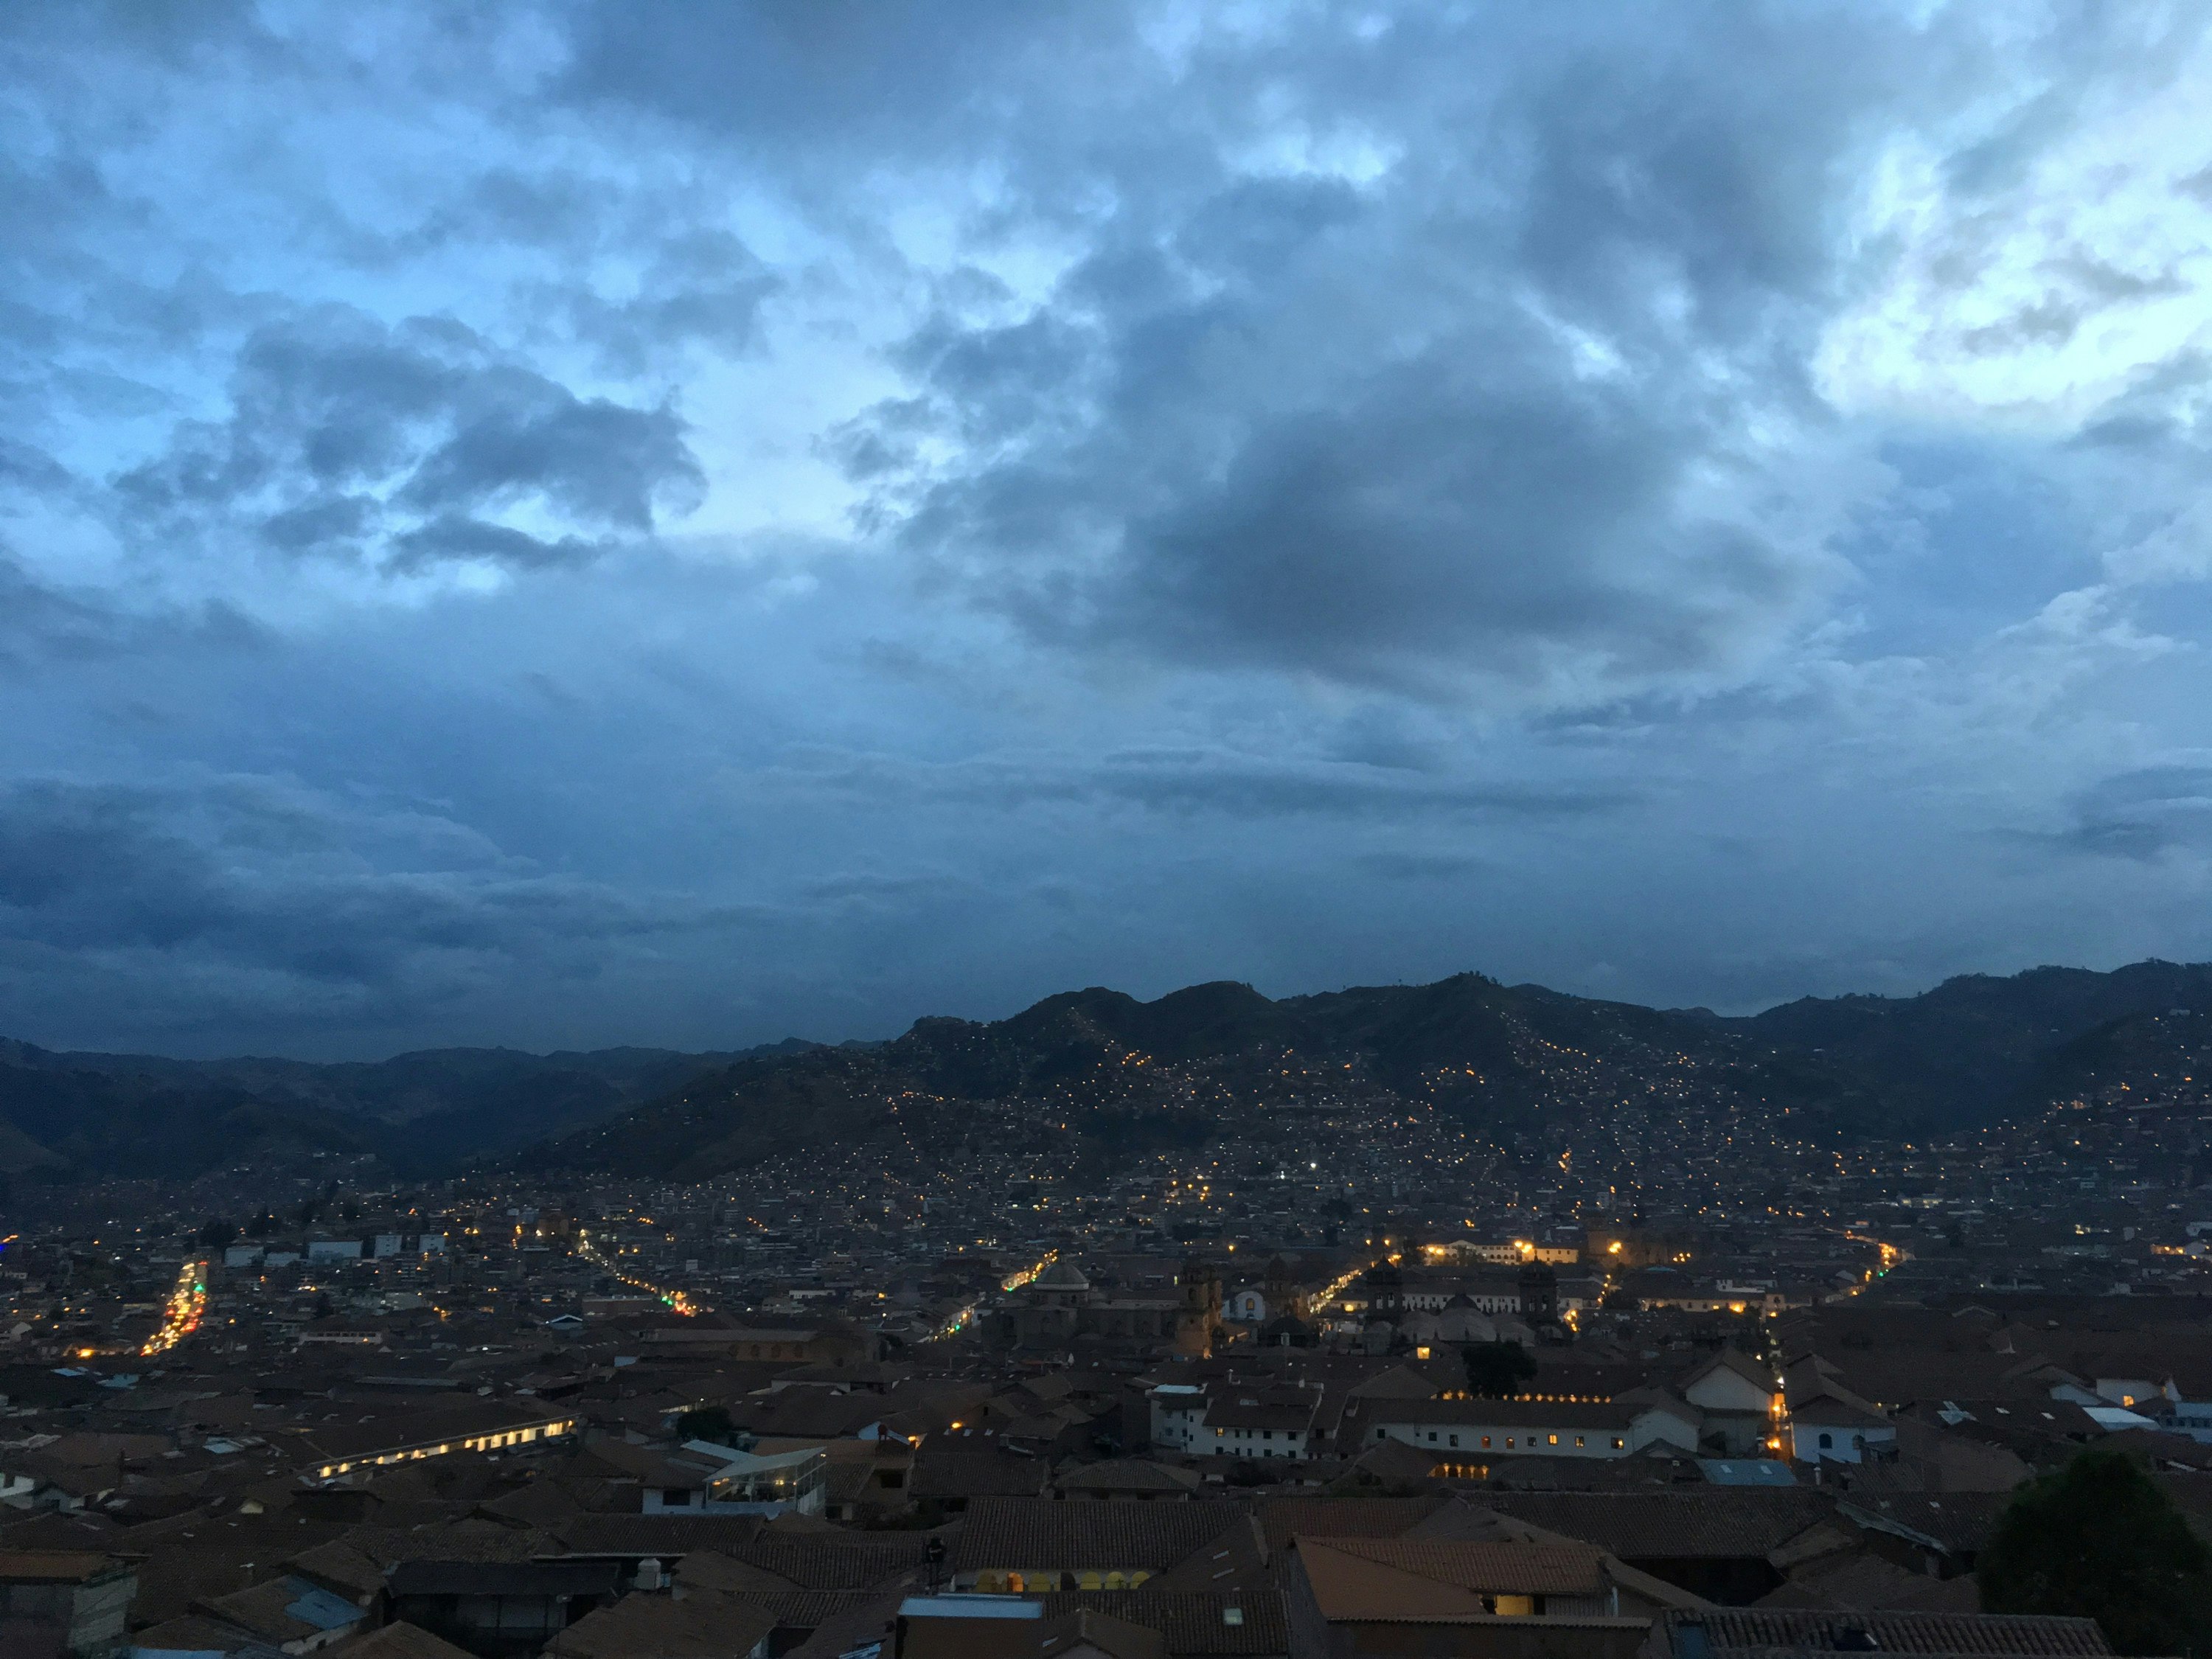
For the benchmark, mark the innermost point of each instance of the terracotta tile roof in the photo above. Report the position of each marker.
(191, 1632)
(1282, 1518)
(1957, 1521)
(54, 1566)
(1483, 1568)
(398, 1640)
(667, 1536)
(1704, 1522)
(703, 1626)
(836, 1561)
(1046, 1533)
(1348, 1587)
(2026, 1636)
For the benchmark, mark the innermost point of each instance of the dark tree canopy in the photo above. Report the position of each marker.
(1495, 1370)
(707, 1423)
(2099, 1539)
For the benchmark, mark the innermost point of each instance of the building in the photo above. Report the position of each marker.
(1060, 1305)
(490, 1427)
(1465, 1435)
(69, 1603)
(1835, 1427)
(1257, 1420)
(1494, 1600)
(1739, 1403)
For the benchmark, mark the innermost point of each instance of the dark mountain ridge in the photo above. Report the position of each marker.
(425, 1112)
(1971, 1050)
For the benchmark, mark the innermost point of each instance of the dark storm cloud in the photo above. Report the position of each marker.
(259, 890)
(1486, 416)
(42, 624)
(1193, 781)
(703, 289)
(2143, 814)
(1326, 483)
(400, 446)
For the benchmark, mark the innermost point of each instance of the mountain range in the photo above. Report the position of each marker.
(1975, 1050)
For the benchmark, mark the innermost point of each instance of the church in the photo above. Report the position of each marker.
(1060, 1308)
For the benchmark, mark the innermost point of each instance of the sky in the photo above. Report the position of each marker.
(578, 524)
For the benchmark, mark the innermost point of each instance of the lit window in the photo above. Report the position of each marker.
(1555, 1439)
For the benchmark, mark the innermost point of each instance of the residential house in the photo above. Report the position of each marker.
(1495, 1599)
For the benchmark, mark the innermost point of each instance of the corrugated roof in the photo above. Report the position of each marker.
(2027, 1636)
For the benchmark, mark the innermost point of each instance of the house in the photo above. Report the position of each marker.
(1127, 1479)
(66, 1601)
(1738, 1403)
(292, 1615)
(654, 1623)
(1177, 1410)
(1835, 1427)
(1257, 1420)
(1466, 1434)
(1723, 1543)
(951, 1470)
(706, 1479)
(1024, 1547)
(1004, 1627)
(1496, 1599)
(500, 1609)
(411, 1437)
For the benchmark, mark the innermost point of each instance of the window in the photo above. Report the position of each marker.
(1578, 1442)
(1555, 1439)
(1508, 1443)
(1618, 1442)
(1455, 1440)
(1432, 1437)
(1827, 1441)
(1486, 1443)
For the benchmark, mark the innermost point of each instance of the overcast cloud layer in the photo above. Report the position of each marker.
(579, 524)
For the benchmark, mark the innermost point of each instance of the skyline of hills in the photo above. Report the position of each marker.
(1502, 1059)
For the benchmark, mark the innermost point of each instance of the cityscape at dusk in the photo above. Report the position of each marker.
(1105, 830)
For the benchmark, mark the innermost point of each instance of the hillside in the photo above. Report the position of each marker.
(1128, 1074)
(1975, 1048)
(1201, 1062)
(424, 1113)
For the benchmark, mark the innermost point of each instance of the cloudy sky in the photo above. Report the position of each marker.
(676, 524)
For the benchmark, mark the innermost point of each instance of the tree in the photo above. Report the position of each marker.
(218, 1234)
(707, 1423)
(2100, 1540)
(262, 1225)
(1495, 1370)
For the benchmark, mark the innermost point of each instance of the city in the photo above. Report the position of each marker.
(1105, 830)
(805, 1390)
